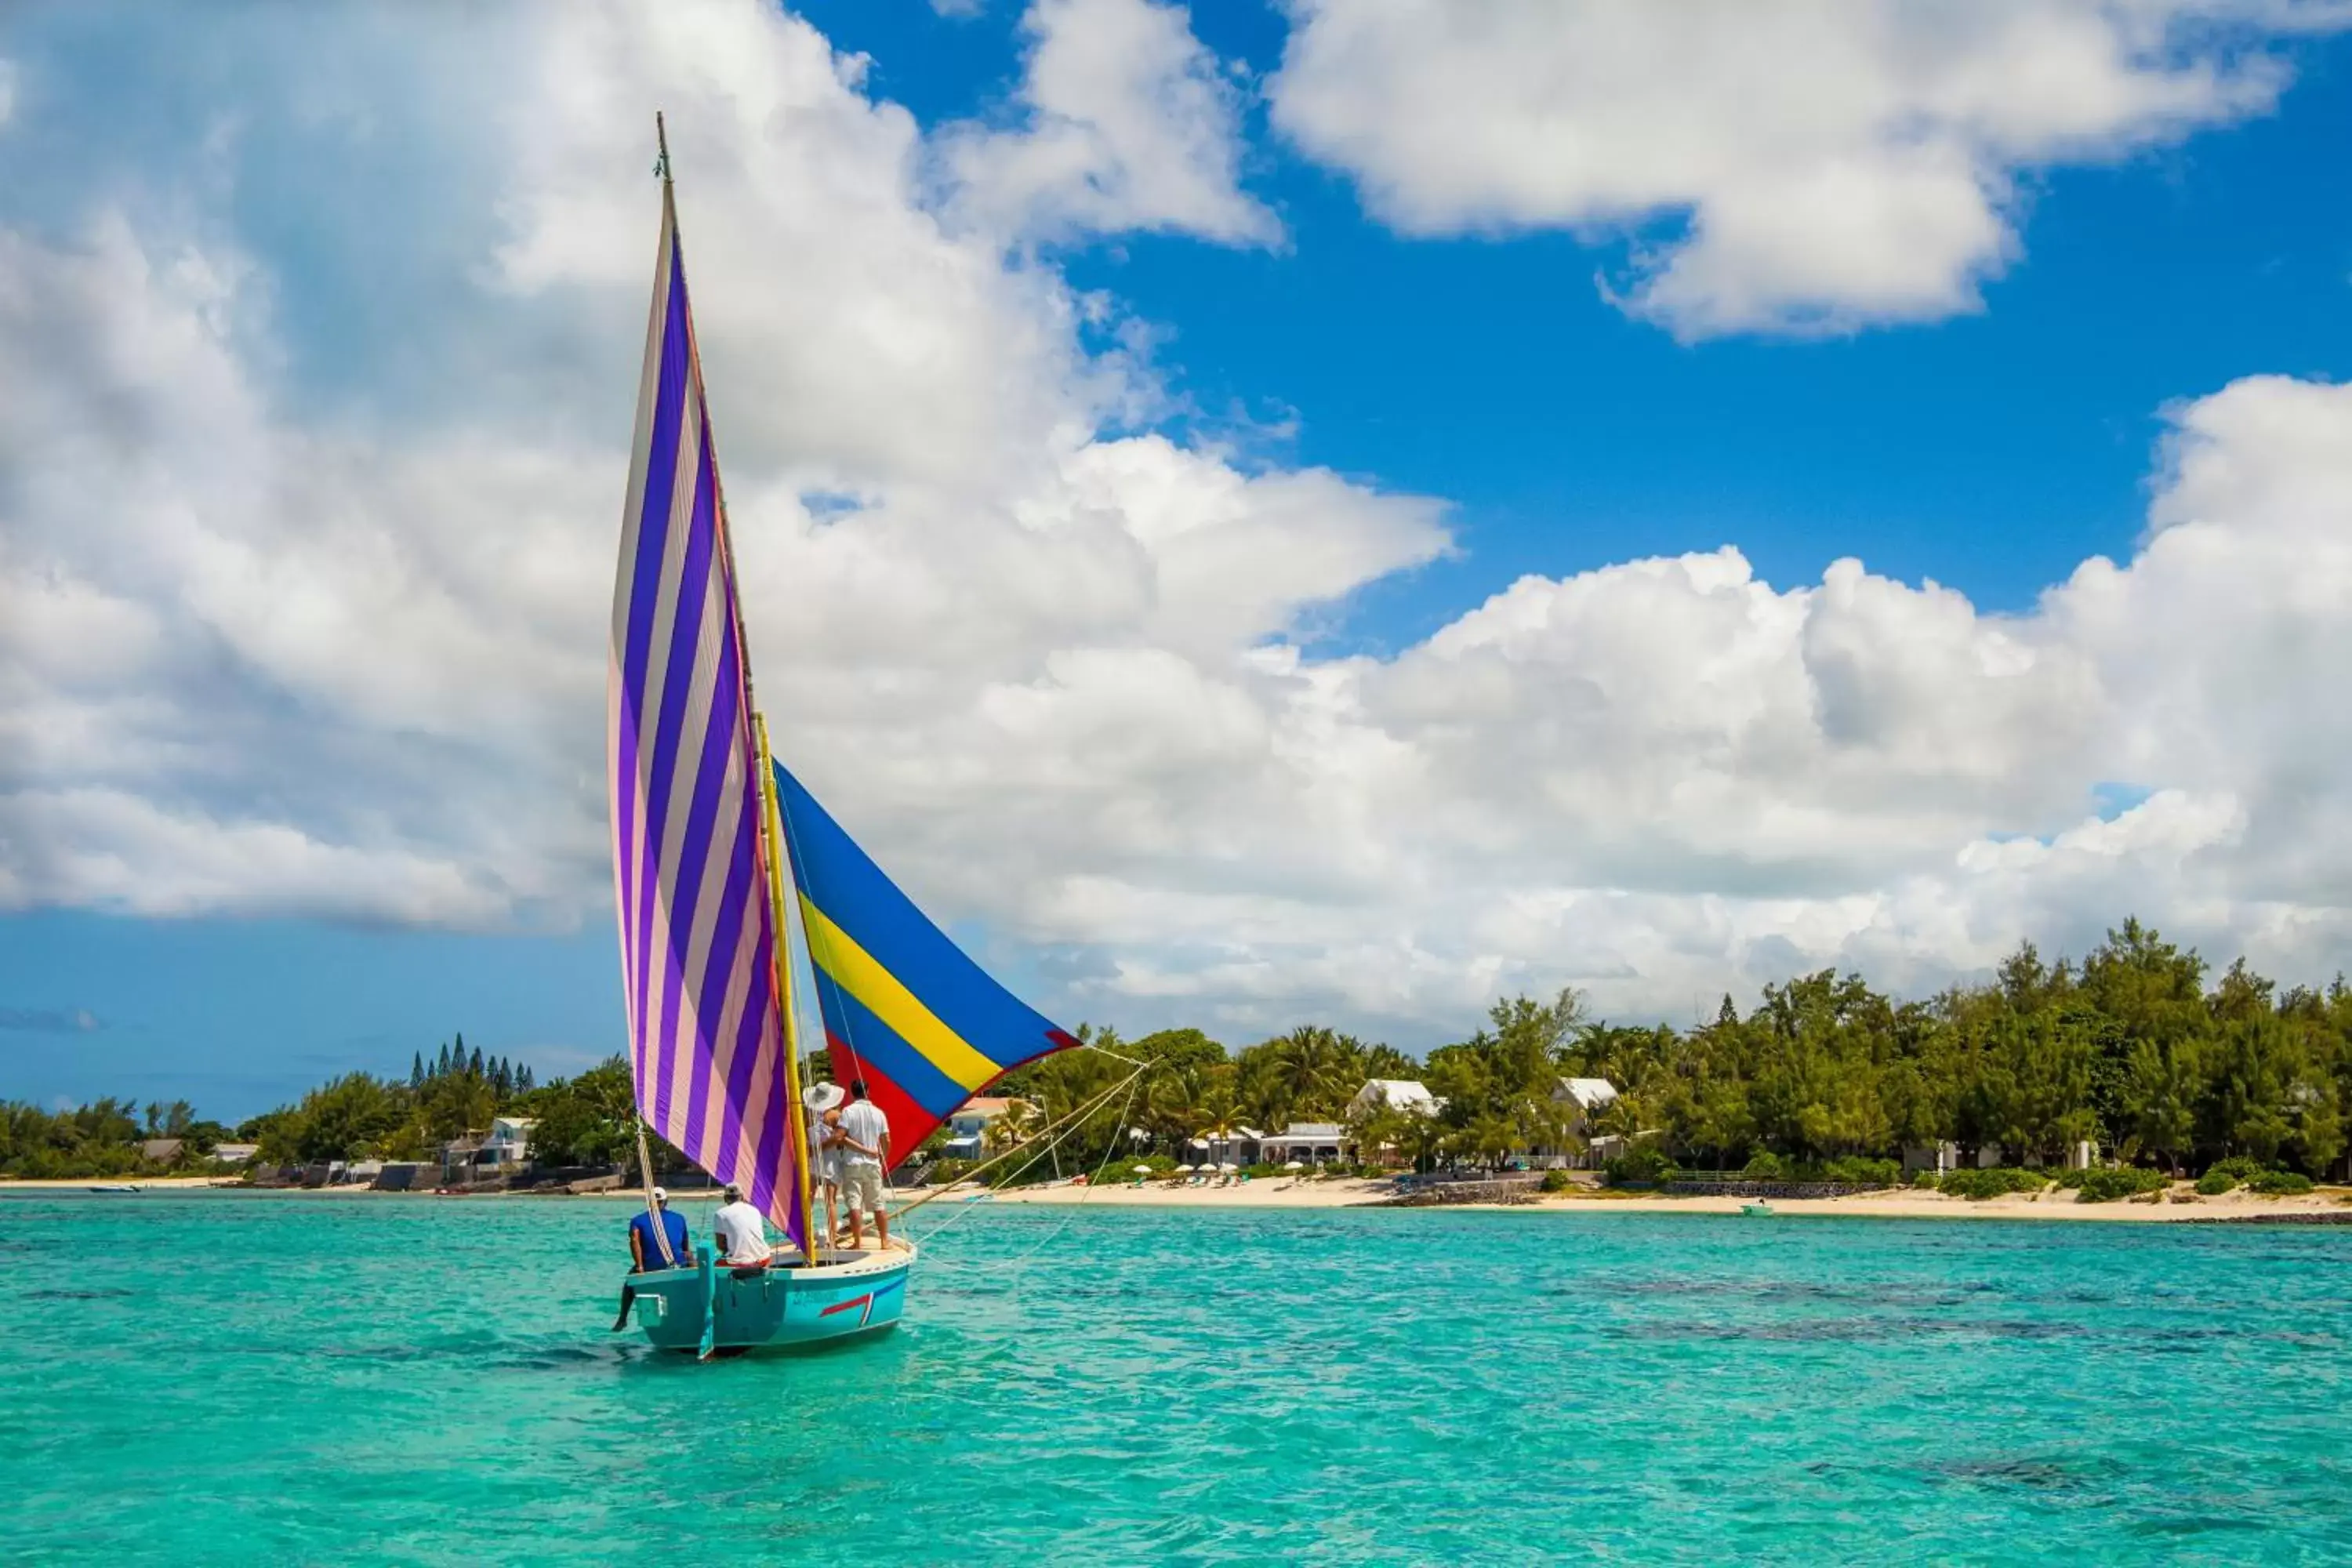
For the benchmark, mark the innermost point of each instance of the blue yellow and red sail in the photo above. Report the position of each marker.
(905, 1009)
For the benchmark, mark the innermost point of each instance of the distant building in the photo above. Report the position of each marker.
(509, 1143)
(235, 1154)
(480, 1156)
(404, 1176)
(968, 1125)
(1223, 1146)
(163, 1151)
(1407, 1095)
(1310, 1143)
(1587, 1094)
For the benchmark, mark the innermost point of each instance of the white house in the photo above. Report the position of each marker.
(1587, 1094)
(235, 1154)
(1310, 1143)
(968, 1126)
(504, 1148)
(1222, 1146)
(508, 1144)
(1404, 1094)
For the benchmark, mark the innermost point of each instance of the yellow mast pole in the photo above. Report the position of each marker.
(771, 829)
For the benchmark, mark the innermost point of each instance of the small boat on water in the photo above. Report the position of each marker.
(1759, 1209)
(721, 859)
(114, 1187)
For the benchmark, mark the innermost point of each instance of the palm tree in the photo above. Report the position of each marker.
(1016, 1125)
(1314, 1069)
(1379, 1130)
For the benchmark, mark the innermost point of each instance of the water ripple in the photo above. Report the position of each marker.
(426, 1383)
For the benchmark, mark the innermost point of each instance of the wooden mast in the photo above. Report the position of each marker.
(771, 829)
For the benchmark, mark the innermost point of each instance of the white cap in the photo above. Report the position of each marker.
(661, 1194)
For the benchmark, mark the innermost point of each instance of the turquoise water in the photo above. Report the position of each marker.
(245, 1378)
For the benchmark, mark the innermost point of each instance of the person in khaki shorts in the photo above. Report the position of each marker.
(864, 1143)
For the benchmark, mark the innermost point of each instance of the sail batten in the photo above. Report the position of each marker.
(698, 932)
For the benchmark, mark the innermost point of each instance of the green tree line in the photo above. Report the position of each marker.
(2129, 1048)
(586, 1119)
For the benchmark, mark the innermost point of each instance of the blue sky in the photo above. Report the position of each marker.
(1992, 447)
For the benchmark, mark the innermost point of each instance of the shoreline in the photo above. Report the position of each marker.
(1894, 1202)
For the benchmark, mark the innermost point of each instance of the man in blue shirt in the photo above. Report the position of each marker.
(645, 1248)
(646, 1243)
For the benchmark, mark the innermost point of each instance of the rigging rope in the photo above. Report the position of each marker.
(1068, 1123)
(1095, 1181)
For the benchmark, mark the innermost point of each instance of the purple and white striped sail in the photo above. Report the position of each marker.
(698, 941)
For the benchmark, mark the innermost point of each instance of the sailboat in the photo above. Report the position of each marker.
(720, 856)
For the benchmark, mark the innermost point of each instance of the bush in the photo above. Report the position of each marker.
(2216, 1182)
(1766, 1166)
(1642, 1162)
(2070, 1179)
(2108, 1183)
(1928, 1179)
(2242, 1167)
(1992, 1183)
(946, 1172)
(1558, 1181)
(1858, 1171)
(2278, 1184)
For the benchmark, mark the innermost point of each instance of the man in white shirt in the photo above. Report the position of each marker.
(742, 1233)
(864, 1141)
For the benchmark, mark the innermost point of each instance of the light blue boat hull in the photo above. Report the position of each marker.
(776, 1308)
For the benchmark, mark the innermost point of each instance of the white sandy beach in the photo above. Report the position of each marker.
(1894, 1204)
(2180, 1203)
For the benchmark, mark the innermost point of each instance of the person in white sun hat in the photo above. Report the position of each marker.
(824, 1103)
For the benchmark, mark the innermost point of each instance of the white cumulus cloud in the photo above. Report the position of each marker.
(1813, 165)
(1125, 121)
(306, 553)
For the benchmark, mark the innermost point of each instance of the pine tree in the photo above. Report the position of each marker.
(416, 1070)
(524, 1082)
(474, 1066)
(443, 1069)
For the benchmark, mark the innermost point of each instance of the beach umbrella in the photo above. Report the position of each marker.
(1293, 1165)
(1140, 1169)
(1229, 1165)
